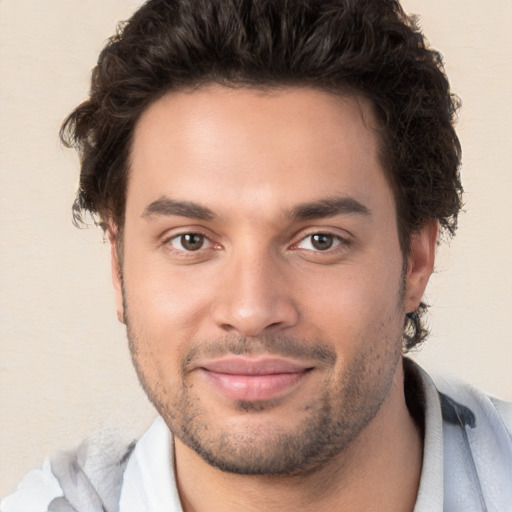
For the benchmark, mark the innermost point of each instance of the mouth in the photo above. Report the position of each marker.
(245, 379)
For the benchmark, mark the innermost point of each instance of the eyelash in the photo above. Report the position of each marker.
(338, 243)
(168, 242)
(335, 241)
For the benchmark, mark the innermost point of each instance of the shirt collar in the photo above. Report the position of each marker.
(431, 490)
(150, 484)
(149, 481)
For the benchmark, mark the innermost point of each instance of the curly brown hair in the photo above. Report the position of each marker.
(367, 46)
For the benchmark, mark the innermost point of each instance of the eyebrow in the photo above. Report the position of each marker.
(166, 207)
(323, 208)
(329, 207)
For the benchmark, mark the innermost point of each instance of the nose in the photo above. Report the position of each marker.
(254, 298)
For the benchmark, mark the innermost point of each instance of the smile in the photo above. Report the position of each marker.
(254, 380)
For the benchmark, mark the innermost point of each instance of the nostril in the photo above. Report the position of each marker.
(228, 327)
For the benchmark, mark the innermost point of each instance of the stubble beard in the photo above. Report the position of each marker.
(331, 425)
(334, 418)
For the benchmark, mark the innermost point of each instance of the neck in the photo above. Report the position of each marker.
(380, 471)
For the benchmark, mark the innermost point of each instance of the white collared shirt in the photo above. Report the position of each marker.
(467, 460)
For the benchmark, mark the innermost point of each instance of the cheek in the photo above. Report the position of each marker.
(166, 302)
(157, 338)
(354, 302)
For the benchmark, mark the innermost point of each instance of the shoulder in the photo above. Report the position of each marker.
(461, 402)
(35, 492)
(476, 453)
(86, 478)
(489, 413)
(504, 410)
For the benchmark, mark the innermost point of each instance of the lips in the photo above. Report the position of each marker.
(254, 379)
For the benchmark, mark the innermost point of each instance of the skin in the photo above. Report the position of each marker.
(251, 177)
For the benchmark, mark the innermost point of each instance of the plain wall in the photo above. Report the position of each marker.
(64, 366)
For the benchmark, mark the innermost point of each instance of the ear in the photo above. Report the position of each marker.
(420, 264)
(117, 271)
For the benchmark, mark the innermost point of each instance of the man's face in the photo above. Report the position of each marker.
(263, 285)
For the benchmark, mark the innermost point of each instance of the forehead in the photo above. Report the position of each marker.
(283, 146)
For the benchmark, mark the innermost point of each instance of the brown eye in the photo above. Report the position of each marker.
(321, 241)
(189, 242)
(192, 241)
(318, 242)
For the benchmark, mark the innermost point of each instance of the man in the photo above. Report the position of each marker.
(273, 178)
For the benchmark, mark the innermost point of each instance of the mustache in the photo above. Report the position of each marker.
(278, 345)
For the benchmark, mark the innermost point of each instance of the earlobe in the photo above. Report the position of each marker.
(420, 264)
(117, 272)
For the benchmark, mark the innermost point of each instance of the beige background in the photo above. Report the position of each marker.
(64, 366)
